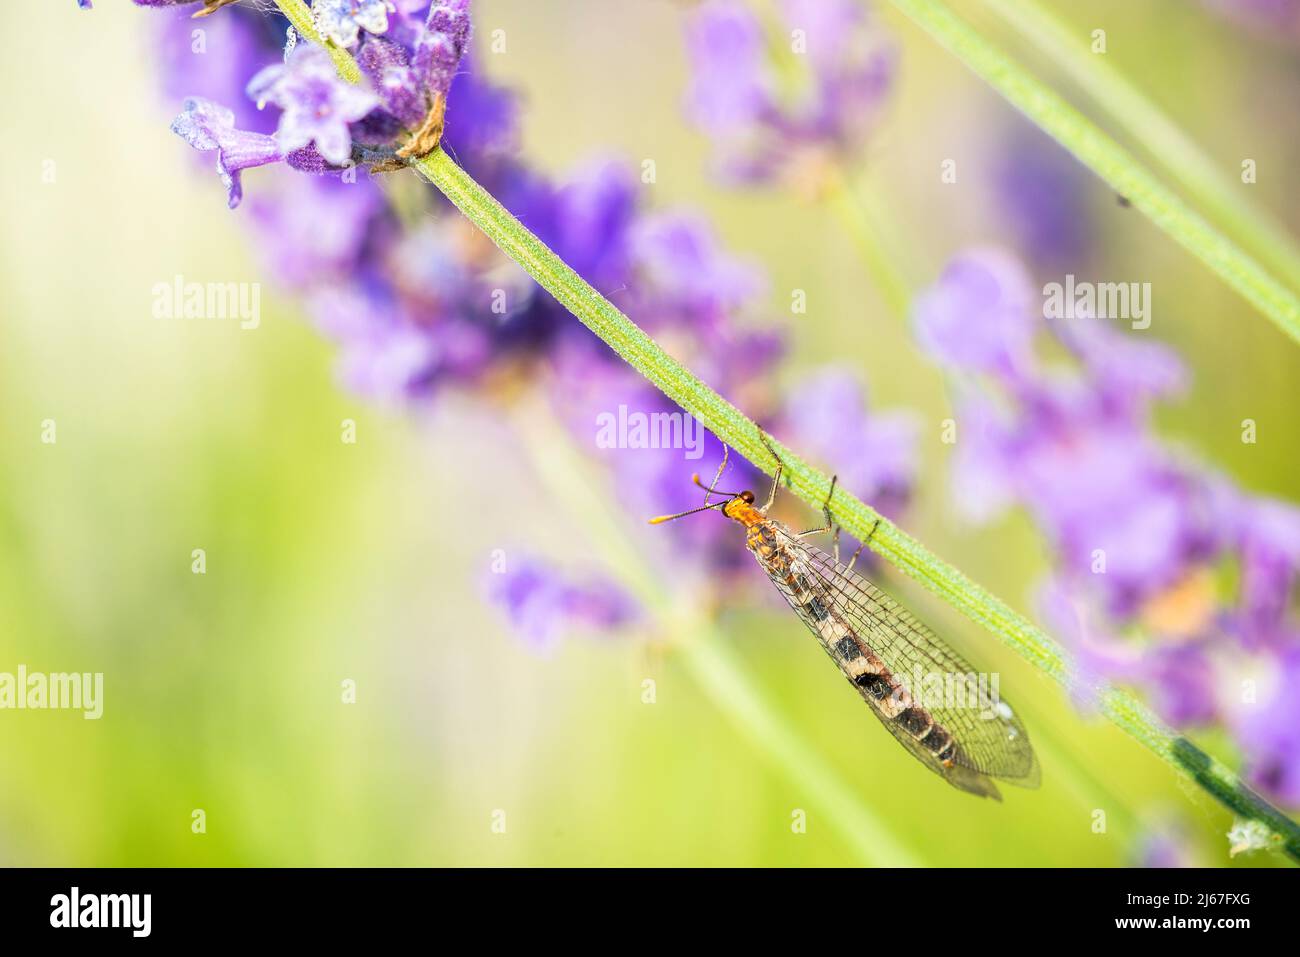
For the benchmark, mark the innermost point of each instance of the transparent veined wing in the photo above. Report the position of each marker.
(991, 739)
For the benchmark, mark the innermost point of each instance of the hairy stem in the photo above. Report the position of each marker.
(884, 265)
(1100, 153)
(1160, 138)
(734, 428)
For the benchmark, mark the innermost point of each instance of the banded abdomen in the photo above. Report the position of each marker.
(805, 590)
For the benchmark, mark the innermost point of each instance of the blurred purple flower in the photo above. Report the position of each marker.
(440, 48)
(218, 63)
(1274, 19)
(1138, 530)
(1166, 845)
(1266, 536)
(312, 230)
(1125, 372)
(764, 127)
(542, 607)
(691, 279)
(1040, 191)
(1269, 728)
(980, 315)
(874, 455)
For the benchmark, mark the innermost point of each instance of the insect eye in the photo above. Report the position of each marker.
(747, 497)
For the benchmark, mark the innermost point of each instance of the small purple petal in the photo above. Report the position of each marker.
(543, 607)
(680, 257)
(317, 105)
(387, 66)
(980, 315)
(439, 50)
(768, 118)
(1269, 730)
(208, 126)
(874, 454)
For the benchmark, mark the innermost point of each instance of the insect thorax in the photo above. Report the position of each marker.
(763, 538)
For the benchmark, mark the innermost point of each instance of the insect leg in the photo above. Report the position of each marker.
(776, 477)
(722, 467)
(861, 545)
(830, 524)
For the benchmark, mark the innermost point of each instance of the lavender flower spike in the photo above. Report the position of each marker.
(317, 105)
(209, 126)
(343, 20)
(440, 48)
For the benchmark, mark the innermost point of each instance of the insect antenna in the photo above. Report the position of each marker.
(660, 519)
(709, 490)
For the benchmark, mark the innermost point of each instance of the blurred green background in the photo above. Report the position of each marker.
(328, 561)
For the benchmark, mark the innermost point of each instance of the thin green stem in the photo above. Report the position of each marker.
(1161, 139)
(1100, 153)
(300, 16)
(883, 263)
(731, 426)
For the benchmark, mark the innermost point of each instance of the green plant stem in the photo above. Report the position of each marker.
(731, 426)
(883, 263)
(1160, 138)
(300, 17)
(1100, 153)
(705, 653)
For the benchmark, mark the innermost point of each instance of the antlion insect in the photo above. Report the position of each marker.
(899, 666)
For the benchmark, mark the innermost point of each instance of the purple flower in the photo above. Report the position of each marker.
(980, 315)
(764, 127)
(388, 67)
(587, 220)
(385, 354)
(313, 230)
(1267, 538)
(440, 48)
(342, 20)
(1127, 371)
(731, 89)
(873, 455)
(317, 105)
(1166, 845)
(1275, 19)
(1041, 193)
(218, 63)
(1138, 531)
(1269, 727)
(692, 280)
(543, 607)
(208, 126)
